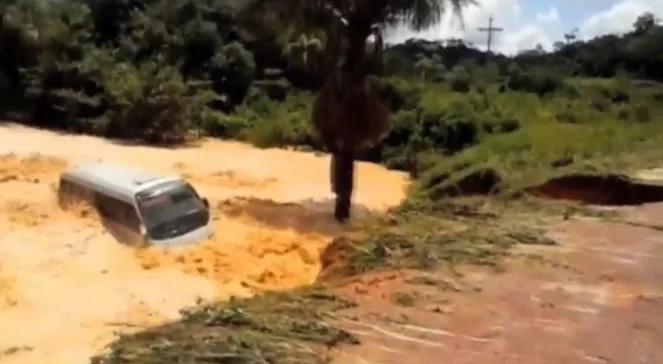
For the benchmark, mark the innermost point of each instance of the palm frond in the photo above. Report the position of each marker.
(417, 14)
(303, 14)
(422, 14)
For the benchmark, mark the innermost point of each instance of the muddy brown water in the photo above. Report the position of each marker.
(66, 286)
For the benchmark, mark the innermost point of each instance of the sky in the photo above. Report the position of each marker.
(527, 23)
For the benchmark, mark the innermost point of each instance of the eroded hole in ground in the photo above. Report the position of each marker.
(611, 190)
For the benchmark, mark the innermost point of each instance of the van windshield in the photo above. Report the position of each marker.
(172, 210)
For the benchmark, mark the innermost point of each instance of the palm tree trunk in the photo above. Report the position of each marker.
(342, 181)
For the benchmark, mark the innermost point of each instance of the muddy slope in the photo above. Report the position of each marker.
(597, 297)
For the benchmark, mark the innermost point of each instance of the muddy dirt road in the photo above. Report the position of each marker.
(66, 286)
(596, 298)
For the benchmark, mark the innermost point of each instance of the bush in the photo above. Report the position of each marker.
(570, 91)
(501, 126)
(267, 123)
(274, 89)
(151, 103)
(537, 80)
(451, 129)
(397, 94)
(404, 125)
(227, 126)
(506, 125)
(641, 113)
(442, 123)
(616, 94)
(460, 80)
(567, 117)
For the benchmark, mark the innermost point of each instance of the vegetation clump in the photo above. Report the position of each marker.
(271, 328)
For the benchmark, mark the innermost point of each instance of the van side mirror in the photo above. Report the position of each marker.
(206, 202)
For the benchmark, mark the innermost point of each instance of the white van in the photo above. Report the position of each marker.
(138, 206)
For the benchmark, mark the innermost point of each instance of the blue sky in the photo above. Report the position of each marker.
(531, 22)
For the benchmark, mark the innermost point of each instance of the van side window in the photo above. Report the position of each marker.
(74, 191)
(118, 212)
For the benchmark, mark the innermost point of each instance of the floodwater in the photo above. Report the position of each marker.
(67, 286)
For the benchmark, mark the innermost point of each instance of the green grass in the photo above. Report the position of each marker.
(561, 135)
(428, 235)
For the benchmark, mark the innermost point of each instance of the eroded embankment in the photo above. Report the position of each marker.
(612, 190)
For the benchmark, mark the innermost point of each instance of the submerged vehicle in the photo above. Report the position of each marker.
(137, 206)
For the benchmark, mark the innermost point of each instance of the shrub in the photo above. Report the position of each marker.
(570, 91)
(641, 113)
(284, 129)
(400, 158)
(567, 117)
(615, 93)
(450, 130)
(460, 80)
(267, 123)
(227, 126)
(403, 126)
(150, 102)
(508, 125)
(274, 89)
(537, 80)
(396, 93)
(601, 104)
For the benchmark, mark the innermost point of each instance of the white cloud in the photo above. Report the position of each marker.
(552, 15)
(524, 31)
(619, 18)
(519, 33)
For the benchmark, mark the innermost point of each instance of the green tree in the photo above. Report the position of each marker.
(233, 69)
(644, 23)
(347, 115)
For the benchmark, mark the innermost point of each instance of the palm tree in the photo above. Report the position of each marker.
(347, 115)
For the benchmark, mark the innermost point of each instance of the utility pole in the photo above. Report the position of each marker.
(570, 37)
(490, 30)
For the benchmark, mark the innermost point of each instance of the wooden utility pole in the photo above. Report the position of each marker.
(490, 30)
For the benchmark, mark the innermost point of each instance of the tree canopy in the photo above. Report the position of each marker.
(77, 64)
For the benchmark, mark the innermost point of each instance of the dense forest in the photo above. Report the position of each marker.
(166, 70)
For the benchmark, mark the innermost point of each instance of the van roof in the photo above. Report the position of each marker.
(122, 182)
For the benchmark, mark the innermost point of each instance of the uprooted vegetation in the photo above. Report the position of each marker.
(273, 328)
(422, 234)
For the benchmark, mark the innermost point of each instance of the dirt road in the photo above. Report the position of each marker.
(596, 298)
(66, 286)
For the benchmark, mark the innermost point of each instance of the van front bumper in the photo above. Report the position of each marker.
(194, 237)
